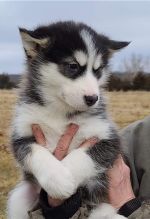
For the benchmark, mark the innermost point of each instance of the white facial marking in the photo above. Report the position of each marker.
(87, 38)
(98, 62)
(88, 41)
(81, 57)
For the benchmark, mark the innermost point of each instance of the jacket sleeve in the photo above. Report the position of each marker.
(64, 211)
(143, 212)
(136, 141)
(129, 207)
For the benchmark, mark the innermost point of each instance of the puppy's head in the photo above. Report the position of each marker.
(70, 59)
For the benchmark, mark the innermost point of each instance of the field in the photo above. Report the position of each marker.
(125, 107)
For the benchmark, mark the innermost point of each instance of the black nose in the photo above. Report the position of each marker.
(90, 100)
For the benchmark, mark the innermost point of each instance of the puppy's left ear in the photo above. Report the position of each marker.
(114, 46)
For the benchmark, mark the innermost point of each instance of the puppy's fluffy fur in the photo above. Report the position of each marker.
(63, 84)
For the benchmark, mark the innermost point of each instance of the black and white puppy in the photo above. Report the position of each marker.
(63, 84)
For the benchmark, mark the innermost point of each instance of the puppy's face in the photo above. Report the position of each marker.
(70, 60)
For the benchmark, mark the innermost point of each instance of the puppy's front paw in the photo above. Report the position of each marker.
(60, 184)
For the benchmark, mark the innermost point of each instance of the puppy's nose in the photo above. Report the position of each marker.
(90, 100)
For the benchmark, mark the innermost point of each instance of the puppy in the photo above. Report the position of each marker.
(66, 70)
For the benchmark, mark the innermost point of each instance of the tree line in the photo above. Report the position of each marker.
(136, 76)
(140, 81)
(117, 82)
(5, 82)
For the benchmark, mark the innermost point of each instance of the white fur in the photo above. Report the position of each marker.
(80, 57)
(22, 199)
(105, 211)
(46, 168)
(80, 165)
(98, 62)
(89, 45)
(53, 127)
(104, 78)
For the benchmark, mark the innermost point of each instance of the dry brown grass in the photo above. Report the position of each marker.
(8, 173)
(125, 108)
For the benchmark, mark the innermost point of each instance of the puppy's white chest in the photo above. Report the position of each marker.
(92, 127)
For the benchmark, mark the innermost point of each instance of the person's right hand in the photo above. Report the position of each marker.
(120, 189)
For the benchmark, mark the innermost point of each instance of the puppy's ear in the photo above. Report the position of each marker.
(114, 46)
(32, 44)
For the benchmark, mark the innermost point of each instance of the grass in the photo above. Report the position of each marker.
(125, 107)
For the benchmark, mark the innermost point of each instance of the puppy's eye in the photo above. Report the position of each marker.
(74, 67)
(98, 71)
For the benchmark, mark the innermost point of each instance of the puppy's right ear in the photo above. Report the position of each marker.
(32, 44)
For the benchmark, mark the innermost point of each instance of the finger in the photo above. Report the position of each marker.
(38, 134)
(65, 141)
(90, 142)
(54, 202)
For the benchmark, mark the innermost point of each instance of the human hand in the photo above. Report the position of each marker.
(120, 188)
(61, 148)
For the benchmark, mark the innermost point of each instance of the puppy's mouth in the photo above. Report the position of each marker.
(71, 115)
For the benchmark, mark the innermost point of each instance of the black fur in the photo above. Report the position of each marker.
(105, 152)
(31, 93)
(21, 146)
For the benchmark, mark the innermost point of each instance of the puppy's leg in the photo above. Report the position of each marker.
(105, 211)
(87, 163)
(52, 176)
(81, 165)
(21, 200)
